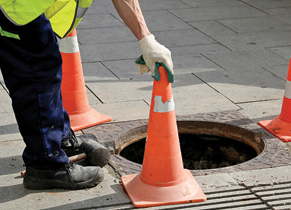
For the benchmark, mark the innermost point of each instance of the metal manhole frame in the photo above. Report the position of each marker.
(274, 154)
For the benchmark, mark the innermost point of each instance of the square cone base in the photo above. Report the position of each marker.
(144, 195)
(283, 128)
(87, 119)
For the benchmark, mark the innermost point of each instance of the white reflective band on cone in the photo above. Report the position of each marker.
(160, 106)
(69, 45)
(287, 93)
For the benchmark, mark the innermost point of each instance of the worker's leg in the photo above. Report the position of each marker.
(31, 68)
(30, 62)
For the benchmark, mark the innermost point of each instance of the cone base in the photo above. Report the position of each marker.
(278, 128)
(144, 195)
(87, 119)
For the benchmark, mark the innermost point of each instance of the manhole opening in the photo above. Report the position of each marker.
(200, 151)
(204, 145)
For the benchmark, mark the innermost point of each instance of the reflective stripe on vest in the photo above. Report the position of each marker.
(8, 34)
(65, 15)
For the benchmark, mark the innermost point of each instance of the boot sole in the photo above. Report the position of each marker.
(40, 184)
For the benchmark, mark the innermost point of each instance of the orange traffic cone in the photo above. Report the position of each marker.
(281, 125)
(75, 99)
(163, 179)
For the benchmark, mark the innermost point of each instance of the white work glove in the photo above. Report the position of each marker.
(153, 53)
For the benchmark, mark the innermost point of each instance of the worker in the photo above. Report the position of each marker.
(31, 66)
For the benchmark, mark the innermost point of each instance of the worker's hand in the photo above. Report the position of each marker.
(153, 55)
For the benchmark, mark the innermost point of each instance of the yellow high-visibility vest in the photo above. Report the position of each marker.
(64, 15)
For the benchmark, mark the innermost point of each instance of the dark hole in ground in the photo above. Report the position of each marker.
(200, 151)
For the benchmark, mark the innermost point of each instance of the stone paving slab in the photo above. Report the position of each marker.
(217, 13)
(278, 11)
(283, 51)
(253, 40)
(262, 4)
(280, 70)
(165, 22)
(5, 102)
(8, 127)
(105, 35)
(197, 63)
(126, 70)
(150, 5)
(99, 21)
(110, 51)
(121, 90)
(263, 110)
(263, 176)
(213, 3)
(211, 27)
(253, 24)
(196, 49)
(124, 111)
(182, 38)
(250, 58)
(96, 71)
(248, 83)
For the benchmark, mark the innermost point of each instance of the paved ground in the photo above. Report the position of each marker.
(227, 54)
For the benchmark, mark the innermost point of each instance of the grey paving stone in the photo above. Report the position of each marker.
(253, 41)
(280, 71)
(8, 127)
(284, 51)
(121, 90)
(250, 58)
(105, 35)
(10, 158)
(197, 49)
(278, 11)
(216, 13)
(127, 70)
(110, 51)
(101, 7)
(213, 3)
(5, 102)
(164, 21)
(248, 84)
(192, 96)
(217, 182)
(161, 5)
(263, 110)
(194, 64)
(211, 27)
(262, 4)
(182, 38)
(253, 24)
(94, 72)
(263, 176)
(99, 21)
(124, 111)
(92, 99)
(285, 19)
(108, 192)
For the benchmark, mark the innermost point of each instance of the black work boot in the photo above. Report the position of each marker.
(71, 144)
(65, 176)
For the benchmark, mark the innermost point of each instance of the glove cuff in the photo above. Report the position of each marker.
(144, 42)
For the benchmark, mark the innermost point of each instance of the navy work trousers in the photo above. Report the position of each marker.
(32, 70)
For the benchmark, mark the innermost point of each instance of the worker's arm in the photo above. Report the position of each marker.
(131, 14)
